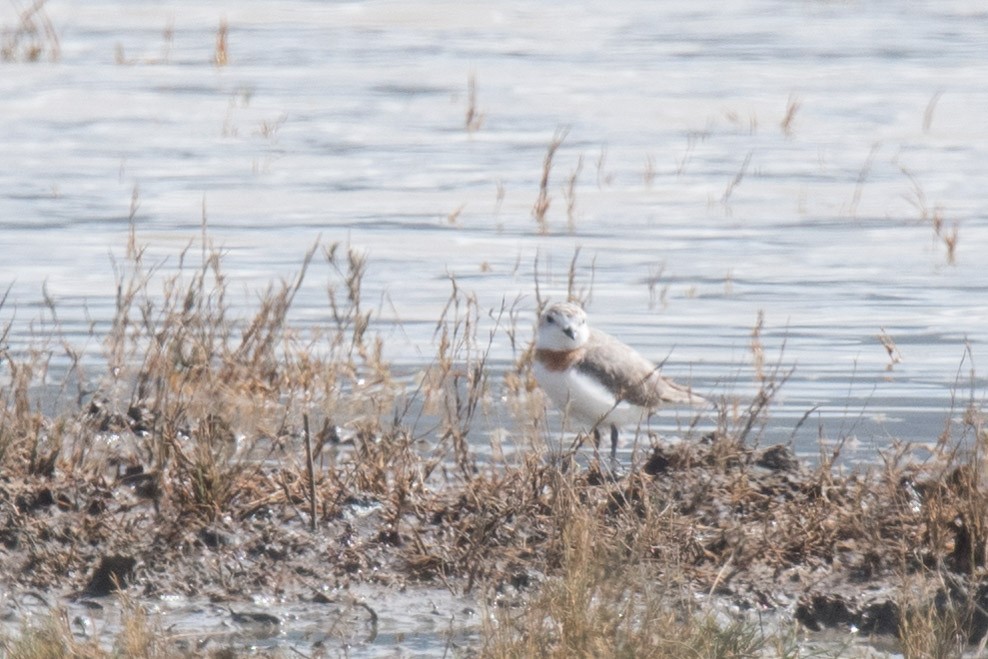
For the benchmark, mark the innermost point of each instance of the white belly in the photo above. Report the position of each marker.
(584, 400)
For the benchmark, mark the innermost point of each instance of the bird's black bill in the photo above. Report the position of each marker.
(570, 332)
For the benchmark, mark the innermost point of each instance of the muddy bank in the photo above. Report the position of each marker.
(866, 551)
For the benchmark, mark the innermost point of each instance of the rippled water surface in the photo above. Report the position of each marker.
(822, 164)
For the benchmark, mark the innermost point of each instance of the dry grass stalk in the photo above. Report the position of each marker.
(862, 179)
(757, 348)
(792, 107)
(310, 472)
(934, 216)
(693, 137)
(581, 294)
(893, 350)
(221, 56)
(649, 175)
(656, 296)
(541, 206)
(570, 193)
(736, 181)
(474, 117)
(32, 39)
(930, 108)
(603, 178)
(948, 238)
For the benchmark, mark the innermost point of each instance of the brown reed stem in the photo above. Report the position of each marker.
(311, 472)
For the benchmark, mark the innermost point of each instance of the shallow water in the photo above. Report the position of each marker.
(366, 621)
(694, 206)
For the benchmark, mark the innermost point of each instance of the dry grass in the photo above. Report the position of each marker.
(792, 107)
(231, 424)
(934, 216)
(53, 637)
(221, 55)
(32, 38)
(570, 192)
(601, 599)
(474, 117)
(544, 199)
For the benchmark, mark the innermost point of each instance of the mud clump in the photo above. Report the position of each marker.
(110, 575)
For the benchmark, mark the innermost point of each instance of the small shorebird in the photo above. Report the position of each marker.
(596, 379)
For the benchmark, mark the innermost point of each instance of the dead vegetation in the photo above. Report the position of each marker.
(934, 216)
(474, 120)
(32, 37)
(544, 199)
(215, 443)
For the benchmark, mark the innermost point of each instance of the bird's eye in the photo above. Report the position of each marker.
(550, 319)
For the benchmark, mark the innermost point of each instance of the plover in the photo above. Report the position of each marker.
(596, 379)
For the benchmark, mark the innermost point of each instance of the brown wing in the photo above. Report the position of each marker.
(637, 379)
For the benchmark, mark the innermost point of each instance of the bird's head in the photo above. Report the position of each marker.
(562, 326)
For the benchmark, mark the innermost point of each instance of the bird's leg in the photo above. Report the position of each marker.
(596, 437)
(614, 441)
